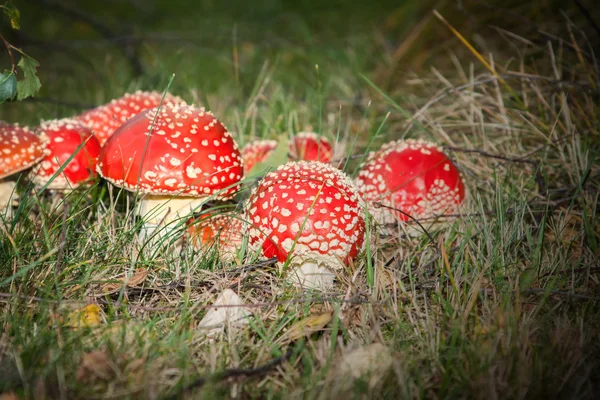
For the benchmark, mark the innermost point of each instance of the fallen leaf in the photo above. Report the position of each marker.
(229, 311)
(136, 279)
(307, 326)
(8, 396)
(386, 278)
(84, 317)
(95, 365)
(372, 362)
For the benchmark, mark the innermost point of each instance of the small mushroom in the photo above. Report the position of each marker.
(222, 230)
(311, 212)
(414, 176)
(257, 151)
(309, 146)
(65, 136)
(19, 149)
(106, 119)
(177, 156)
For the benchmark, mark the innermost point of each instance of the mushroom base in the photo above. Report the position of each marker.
(7, 196)
(311, 275)
(164, 214)
(165, 209)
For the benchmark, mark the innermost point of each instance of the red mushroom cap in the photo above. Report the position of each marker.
(225, 228)
(309, 146)
(64, 138)
(19, 149)
(182, 151)
(414, 176)
(106, 119)
(309, 201)
(257, 151)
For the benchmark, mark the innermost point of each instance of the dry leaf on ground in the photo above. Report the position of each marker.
(136, 279)
(306, 326)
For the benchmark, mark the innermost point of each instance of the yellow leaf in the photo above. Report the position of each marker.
(136, 279)
(84, 317)
(306, 326)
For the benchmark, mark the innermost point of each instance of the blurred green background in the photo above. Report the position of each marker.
(92, 51)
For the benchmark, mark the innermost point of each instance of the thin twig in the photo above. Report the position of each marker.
(539, 178)
(570, 271)
(251, 267)
(9, 50)
(301, 300)
(378, 204)
(490, 155)
(235, 373)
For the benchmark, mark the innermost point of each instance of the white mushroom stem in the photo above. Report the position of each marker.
(310, 275)
(161, 212)
(8, 194)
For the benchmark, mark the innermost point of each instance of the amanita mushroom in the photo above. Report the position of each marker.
(309, 211)
(177, 156)
(414, 176)
(106, 119)
(65, 136)
(309, 146)
(19, 149)
(256, 152)
(222, 230)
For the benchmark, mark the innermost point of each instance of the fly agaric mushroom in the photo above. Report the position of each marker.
(106, 119)
(224, 231)
(309, 211)
(19, 149)
(414, 176)
(256, 152)
(177, 156)
(65, 136)
(309, 146)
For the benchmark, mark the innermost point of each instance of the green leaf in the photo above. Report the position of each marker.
(278, 157)
(8, 86)
(30, 84)
(13, 14)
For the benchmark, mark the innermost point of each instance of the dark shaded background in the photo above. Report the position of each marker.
(92, 51)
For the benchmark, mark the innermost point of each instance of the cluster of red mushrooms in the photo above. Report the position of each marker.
(307, 213)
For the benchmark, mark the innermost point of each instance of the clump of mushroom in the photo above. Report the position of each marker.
(309, 146)
(257, 151)
(413, 176)
(225, 231)
(177, 157)
(311, 213)
(65, 136)
(106, 119)
(19, 150)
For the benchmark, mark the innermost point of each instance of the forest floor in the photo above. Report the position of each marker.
(500, 300)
